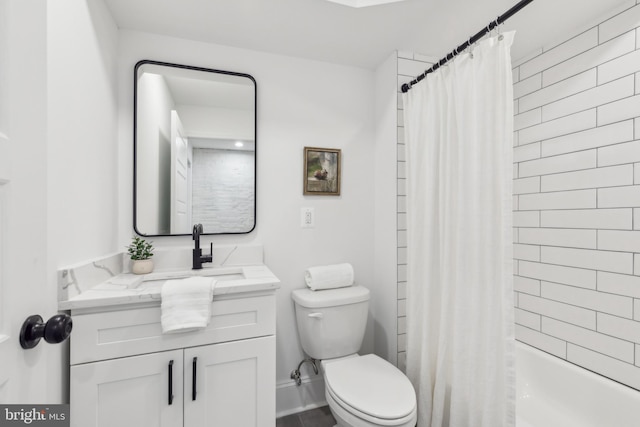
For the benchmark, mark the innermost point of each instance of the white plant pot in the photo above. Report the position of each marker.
(141, 266)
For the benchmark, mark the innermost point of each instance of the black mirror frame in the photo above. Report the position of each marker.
(135, 144)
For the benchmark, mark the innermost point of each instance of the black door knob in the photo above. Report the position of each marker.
(56, 330)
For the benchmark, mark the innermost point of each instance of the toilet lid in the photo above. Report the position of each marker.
(372, 386)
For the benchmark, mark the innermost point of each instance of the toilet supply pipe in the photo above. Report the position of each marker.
(295, 374)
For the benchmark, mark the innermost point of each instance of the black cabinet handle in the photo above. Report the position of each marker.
(193, 383)
(170, 382)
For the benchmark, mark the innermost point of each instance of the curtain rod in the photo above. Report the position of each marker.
(502, 18)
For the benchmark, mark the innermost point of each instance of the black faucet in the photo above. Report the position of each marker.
(198, 258)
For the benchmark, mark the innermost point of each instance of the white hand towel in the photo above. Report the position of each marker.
(329, 276)
(186, 304)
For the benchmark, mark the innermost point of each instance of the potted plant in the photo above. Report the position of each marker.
(140, 251)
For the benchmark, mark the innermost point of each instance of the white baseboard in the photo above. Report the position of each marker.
(291, 398)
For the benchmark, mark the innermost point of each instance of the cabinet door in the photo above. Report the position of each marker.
(128, 392)
(234, 384)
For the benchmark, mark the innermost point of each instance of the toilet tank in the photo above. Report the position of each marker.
(331, 322)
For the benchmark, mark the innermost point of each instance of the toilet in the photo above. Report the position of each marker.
(362, 391)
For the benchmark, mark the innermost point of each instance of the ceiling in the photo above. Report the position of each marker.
(362, 37)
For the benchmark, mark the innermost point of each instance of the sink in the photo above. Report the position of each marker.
(131, 281)
(219, 273)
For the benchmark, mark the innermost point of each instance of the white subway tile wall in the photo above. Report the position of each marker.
(410, 65)
(577, 161)
(576, 198)
(226, 175)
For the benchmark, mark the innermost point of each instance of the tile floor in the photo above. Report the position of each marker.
(319, 417)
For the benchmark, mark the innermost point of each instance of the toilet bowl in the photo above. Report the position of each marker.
(368, 391)
(362, 391)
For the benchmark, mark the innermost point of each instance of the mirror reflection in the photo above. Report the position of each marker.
(195, 150)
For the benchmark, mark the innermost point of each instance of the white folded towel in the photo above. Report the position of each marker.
(186, 304)
(329, 276)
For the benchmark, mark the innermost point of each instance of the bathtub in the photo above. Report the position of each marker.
(554, 393)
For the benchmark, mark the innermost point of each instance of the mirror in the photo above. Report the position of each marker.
(194, 150)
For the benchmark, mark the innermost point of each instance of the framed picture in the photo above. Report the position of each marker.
(321, 171)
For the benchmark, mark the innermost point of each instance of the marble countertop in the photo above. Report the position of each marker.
(128, 289)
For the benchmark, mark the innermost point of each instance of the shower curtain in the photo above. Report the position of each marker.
(459, 142)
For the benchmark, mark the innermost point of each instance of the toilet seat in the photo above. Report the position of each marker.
(352, 418)
(371, 389)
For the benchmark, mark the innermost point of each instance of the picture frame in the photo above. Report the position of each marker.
(322, 171)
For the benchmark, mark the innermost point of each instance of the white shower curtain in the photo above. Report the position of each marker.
(459, 139)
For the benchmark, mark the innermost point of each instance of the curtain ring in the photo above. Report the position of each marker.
(500, 36)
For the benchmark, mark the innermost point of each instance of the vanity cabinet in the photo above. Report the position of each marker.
(234, 384)
(124, 370)
(131, 391)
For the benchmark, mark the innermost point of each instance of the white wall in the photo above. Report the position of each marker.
(577, 198)
(82, 122)
(300, 103)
